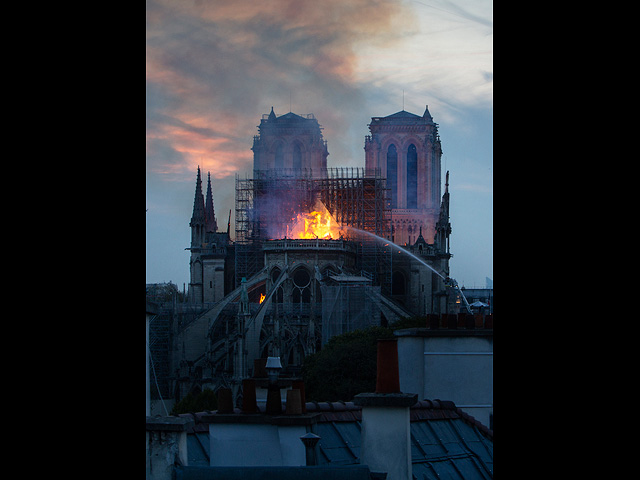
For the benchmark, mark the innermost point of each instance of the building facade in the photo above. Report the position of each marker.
(211, 260)
(291, 142)
(268, 294)
(407, 150)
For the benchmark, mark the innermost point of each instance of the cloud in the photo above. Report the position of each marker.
(459, 11)
(214, 67)
(445, 61)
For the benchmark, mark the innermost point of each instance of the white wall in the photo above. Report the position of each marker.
(455, 368)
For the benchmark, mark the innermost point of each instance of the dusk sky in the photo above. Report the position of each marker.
(215, 67)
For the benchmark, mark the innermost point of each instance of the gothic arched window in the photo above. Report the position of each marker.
(302, 286)
(392, 174)
(297, 157)
(412, 177)
(279, 163)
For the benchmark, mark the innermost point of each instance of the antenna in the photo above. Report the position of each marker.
(289, 101)
(403, 99)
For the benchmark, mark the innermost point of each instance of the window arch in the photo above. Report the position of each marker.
(392, 174)
(412, 177)
(297, 157)
(302, 286)
(279, 160)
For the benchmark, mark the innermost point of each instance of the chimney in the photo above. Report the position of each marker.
(386, 430)
(249, 402)
(387, 378)
(488, 321)
(299, 384)
(274, 402)
(225, 400)
(310, 440)
(293, 406)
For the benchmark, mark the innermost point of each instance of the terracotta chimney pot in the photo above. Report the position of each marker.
(387, 378)
(225, 400)
(249, 402)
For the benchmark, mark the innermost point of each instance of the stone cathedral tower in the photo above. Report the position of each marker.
(208, 265)
(291, 143)
(406, 148)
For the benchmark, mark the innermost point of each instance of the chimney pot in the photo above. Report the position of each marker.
(294, 405)
(310, 440)
(299, 384)
(225, 400)
(387, 378)
(470, 321)
(274, 403)
(249, 402)
(451, 321)
(273, 367)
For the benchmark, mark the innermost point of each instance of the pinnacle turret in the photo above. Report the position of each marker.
(198, 219)
(209, 212)
(198, 202)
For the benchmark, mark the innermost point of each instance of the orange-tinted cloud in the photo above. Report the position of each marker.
(214, 67)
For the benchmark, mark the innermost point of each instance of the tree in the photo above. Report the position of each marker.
(345, 366)
(191, 403)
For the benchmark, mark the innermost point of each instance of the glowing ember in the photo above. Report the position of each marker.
(317, 224)
(262, 297)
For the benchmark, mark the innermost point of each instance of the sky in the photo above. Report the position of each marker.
(213, 68)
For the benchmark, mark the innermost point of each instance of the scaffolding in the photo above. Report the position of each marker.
(264, 206)
(359, 198)
(355, 197)
(346, 308)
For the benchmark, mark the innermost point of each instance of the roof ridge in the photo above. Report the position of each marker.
(471, 420)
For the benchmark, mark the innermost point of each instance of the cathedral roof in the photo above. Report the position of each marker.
(290, 116)
(405, 118)
(402, 114)
(290, 120)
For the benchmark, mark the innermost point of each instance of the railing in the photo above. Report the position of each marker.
(308, 116)
(305, 244)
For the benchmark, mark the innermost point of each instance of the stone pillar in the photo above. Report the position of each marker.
(166, 445)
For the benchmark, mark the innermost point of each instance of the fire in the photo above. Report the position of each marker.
(262, 297)
(317, 224)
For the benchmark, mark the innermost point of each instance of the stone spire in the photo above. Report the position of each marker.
(198, 219)
(209, 212)
(443, 227)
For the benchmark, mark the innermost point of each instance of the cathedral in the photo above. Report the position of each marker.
(313, 253)
(406, 148)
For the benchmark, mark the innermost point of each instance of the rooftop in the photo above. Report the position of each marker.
(445, 441)
(404, 118)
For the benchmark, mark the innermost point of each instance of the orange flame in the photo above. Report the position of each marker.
(317, 224)
(262, 297)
